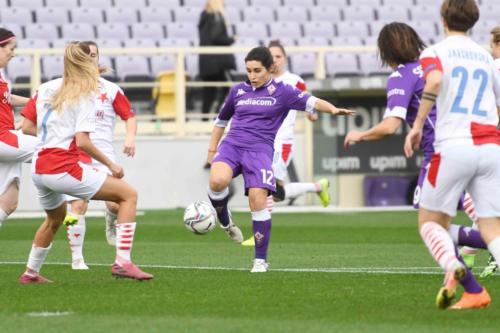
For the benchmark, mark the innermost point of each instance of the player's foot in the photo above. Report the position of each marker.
(259, 266)
(110, 228)
(469, 259)
(472, 301)
(490, 269)
(233, 231)
(70, 219)
(447, 292)
(324, 194)
(129, 270)
(79, 264)
(32, 278)
(249, 242)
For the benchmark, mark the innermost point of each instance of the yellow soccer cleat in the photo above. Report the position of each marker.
(70, 219)
(324, 194)
(447, 293)
(249, 242)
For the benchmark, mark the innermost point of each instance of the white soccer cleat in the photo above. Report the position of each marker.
(233, 232)
(259, 266)
(110, 228)
(79, 264)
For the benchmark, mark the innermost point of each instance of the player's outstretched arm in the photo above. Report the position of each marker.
(17, 100)
(429, 96)
(323, 106)
(83, 142)
(386, 127)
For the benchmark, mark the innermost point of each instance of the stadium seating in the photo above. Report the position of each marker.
(16, 15)
(87, 15)
(124, 15)
(54, 15)
(19, 69)
(61, 3)
(78, 31)
(155, 14)
(31, 4)
(387, 190)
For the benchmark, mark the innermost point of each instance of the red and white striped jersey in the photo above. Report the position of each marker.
(286, 132)
(57, 151)
(110, 102)
(470, 92)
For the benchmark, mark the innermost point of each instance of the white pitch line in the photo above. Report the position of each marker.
(366, 270)
(49, 314)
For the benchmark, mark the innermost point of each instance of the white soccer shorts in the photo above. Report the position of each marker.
(281, 159)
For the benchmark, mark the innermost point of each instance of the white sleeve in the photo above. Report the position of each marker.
(85, 115)
(397, 111)
(496, 82)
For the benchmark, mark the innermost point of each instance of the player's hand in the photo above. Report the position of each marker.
(412, 141)
(343, 112)
(129, 147)
(210, 156)
(312, 116)
(352, 137)
(116, 171)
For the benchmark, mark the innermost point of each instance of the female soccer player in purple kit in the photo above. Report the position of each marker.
(258, 108)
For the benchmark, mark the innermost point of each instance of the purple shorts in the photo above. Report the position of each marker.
(255, 166)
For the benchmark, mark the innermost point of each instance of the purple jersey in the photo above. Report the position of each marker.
(404, 91)
(258, 113)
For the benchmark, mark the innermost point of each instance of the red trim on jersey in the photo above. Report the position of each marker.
(84, 157)
(29, 110)
(286, 149)
(433, 169)
(429, 64)
(6, 112)
(122, 106)
(52, 161)
(301, 86)
(9, 138)
(483, 134)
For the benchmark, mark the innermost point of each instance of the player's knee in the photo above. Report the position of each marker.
(279, 195)
(79, 207)
(10, 207)
(218, 184)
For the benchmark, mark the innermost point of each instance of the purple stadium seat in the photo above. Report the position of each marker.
(251, 29)
(113, 30)
(33, 44)
(347, 41)
(315, 41)
(55, 15)
(60, 43)
(14, 27)
(306, 3)
(187, 14)
(61, 3)
(236, 3)
(266, 3)
(401, 3)
(109, 43)
(175, 42)
(376, 26)
(370, 40)
(125, 15)
(182, 30)
(341, 64)
(352, 28)
(372, 3)
(162, 62)
(386, 190)
(139, 43)
(22, 16)
(258, 14)
(233, 14)
(96, 3)
(292, 14)
(425, 29)
(130, 3)
(335, 3)
(285, 29)
(303, 64)
(107, 62)
(148, 30)
(371, 65)
(424, 13)
(195, 3)
(42, 31)
(247, 41)
(359, 13)
(87, 15)
(392, 13)
(52, 67)
(161, 15)
(318, 28)
(31, 4)
(19, 68)
(425, 2)
(163, 3)
(132, 68)
(325, 13)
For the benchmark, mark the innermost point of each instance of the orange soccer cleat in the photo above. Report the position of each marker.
(473, 301)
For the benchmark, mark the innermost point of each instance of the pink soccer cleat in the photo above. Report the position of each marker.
(27, 279)
(131, 271)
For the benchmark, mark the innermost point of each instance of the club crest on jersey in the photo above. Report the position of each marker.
(271, 89)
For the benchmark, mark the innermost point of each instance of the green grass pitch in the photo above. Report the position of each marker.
(357, 272)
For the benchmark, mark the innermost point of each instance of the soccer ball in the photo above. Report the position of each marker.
(200, 217)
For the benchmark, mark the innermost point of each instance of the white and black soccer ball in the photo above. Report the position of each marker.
(200, 217)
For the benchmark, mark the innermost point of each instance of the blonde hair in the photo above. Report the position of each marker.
(80, 77)
(215, 6)
(495, 32)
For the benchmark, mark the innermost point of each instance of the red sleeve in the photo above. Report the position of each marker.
(122, 106)
(301, 85)
(29, 110)
(430, 64)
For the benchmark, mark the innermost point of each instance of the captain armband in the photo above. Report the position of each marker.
(429, 96)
